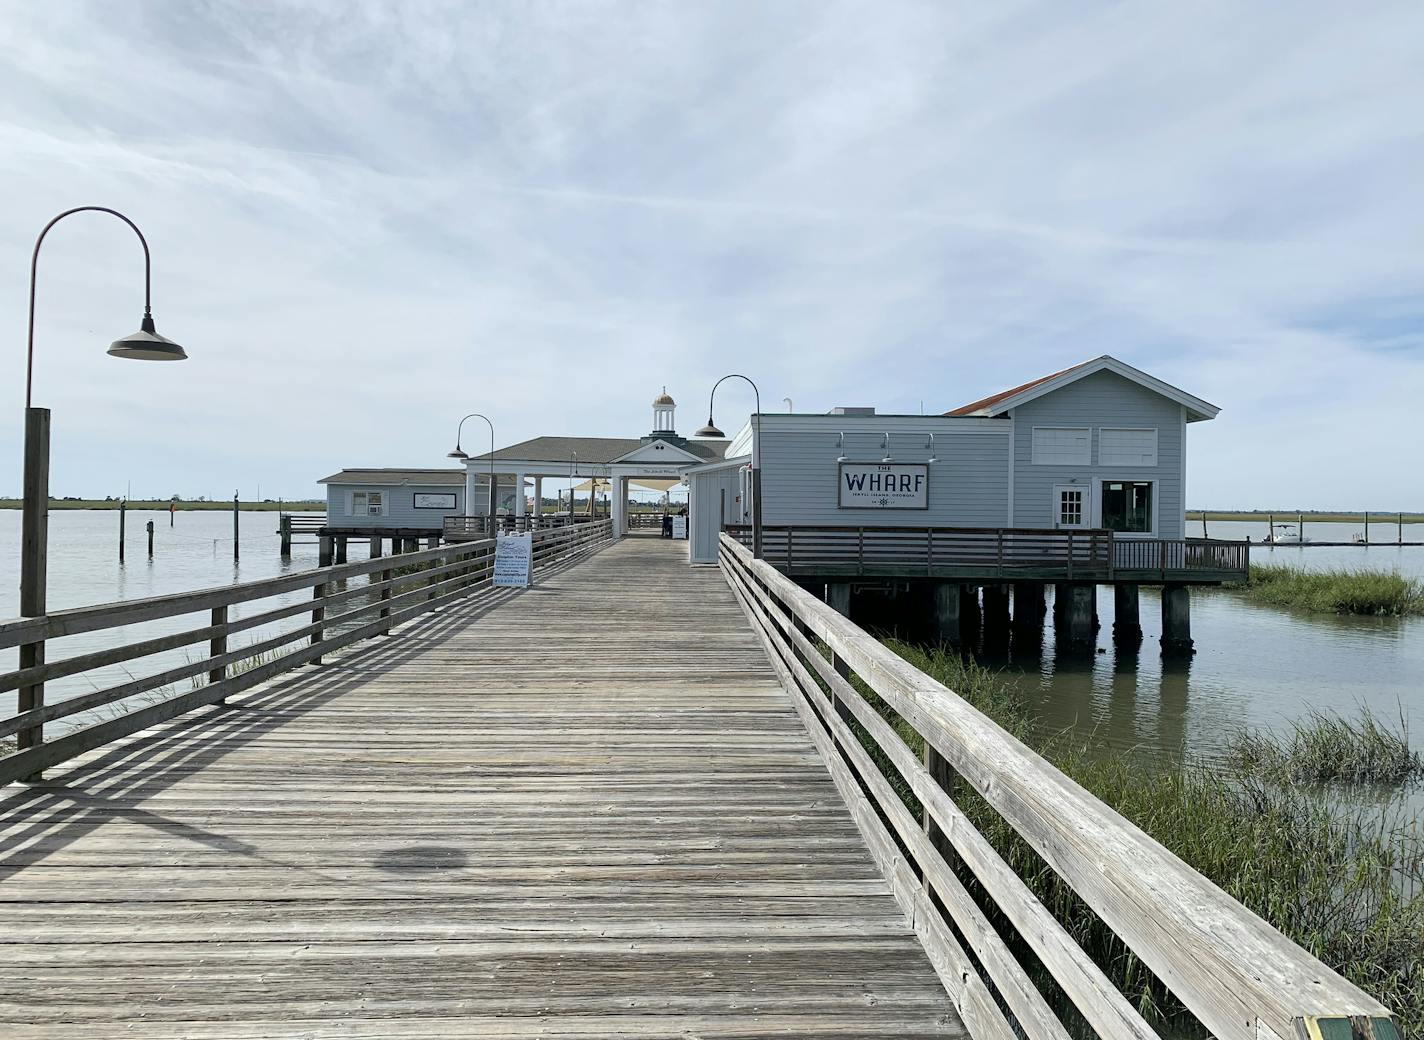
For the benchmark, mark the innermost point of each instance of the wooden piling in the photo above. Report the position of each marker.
(340, 548)
(1400, 529)
(323, 550)
(234, 528)
(1127, 620)
(284, 528)
(123, 505)
(150, 539)
(1176, 619)
(1367, 527)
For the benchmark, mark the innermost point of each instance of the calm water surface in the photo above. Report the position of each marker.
(1254, 666)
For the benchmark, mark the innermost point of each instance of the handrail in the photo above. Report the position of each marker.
(1049, 554)
(397, 588)
(1240, 977)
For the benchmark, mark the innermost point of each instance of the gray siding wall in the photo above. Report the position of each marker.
(1101, 399)
(400, 505)
(968, 485)
(704, 500)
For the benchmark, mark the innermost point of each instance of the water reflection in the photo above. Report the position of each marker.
(1255, 666)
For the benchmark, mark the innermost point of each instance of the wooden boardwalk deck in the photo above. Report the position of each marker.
(584, 809)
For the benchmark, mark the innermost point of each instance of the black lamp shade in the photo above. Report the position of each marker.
(147, 345)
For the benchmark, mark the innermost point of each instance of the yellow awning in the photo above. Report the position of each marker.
(647, 483)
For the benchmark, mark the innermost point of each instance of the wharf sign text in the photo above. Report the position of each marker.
(884, 485)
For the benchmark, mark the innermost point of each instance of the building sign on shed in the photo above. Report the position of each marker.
(441, 500)
(884, 485)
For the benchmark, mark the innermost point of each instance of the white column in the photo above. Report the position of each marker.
(538, 498)
(470, 490)
(619, 495)
(519, 494)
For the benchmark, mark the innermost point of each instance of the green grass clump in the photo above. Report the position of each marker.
(1346, 884)
(1336, 591)
(1326, 748)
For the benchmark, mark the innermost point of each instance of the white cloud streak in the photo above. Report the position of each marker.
(369, 219)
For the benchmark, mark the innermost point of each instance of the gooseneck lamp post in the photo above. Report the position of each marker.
(494, 484)
(143, 345)
(710, 430)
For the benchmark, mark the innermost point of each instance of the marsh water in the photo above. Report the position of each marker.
(1254, 665)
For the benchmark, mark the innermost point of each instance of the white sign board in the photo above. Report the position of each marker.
(884, 485)
(442, 500)
(513, 554)
(679, 526)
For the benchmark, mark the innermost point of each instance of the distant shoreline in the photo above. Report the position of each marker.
(1290, 516)
(181, 507)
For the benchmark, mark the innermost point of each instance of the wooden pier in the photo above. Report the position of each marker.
(627, 801)
(624, 831)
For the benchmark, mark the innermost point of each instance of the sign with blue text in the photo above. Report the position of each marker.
(513, 554)
(884, 485)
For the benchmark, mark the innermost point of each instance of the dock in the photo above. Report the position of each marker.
(626, 834)
(634, 799)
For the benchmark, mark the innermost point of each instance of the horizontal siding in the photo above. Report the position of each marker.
(1101, 399)
(704, 501)
(968, 485)
(400, 505)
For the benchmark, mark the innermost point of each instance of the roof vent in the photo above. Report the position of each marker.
(843, 410)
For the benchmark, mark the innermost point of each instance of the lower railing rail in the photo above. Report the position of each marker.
(341, 609)
(1241, 978)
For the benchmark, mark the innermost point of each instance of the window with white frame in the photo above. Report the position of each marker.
(368, 503)
(1070, 507)
(1062, 446)
(1128, 506)
(1123, 447)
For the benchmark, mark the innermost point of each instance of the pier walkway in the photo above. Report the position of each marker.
(584, 809)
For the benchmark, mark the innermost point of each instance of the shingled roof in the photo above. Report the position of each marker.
(397, 476)
(592, 450)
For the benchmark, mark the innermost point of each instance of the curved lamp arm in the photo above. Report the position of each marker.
(755, 390)
(494, 483)
(147, 324)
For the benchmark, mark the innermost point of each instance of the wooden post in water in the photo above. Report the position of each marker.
(1400, 529)
(122, 507)
(1300, 527)
(1204, 534)
(150, 539)
(1367, 527)
(234, 527)
(1272, 520)
(284, 529)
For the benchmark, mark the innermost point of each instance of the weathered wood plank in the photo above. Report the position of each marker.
(588, 809)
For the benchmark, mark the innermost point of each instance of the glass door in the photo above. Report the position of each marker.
(1070, 506)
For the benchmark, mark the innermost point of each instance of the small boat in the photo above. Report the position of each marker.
(1285, 534)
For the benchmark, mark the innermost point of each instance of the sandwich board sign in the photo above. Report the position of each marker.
(679, 526)
(513, 554)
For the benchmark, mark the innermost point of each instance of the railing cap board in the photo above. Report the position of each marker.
(1243, 979)
(129, 612)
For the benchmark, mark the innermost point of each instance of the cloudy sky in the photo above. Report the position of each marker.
(369, 219)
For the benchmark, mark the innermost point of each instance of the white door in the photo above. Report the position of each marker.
(1072, 506)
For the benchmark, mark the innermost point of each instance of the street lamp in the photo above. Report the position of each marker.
(710, 430)
(460, 454)
(143, 345)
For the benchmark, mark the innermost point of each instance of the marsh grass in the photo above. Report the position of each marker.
(1327, 748)
(1336, 591)
(1342, 880)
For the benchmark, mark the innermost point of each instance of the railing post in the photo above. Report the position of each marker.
(1164, 558)
(929, 552)
(860, 550)
(387, 576)
(217, 646)
(789, 532)
(318, 614)
(998, 564)
(34, 539)
(1070, 556)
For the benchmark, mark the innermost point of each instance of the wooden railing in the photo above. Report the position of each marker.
(463, 528)
(342, 609)
(1005, 553)
(1170, 557)
(1242, 979)
(642, 521)
(934, 551)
